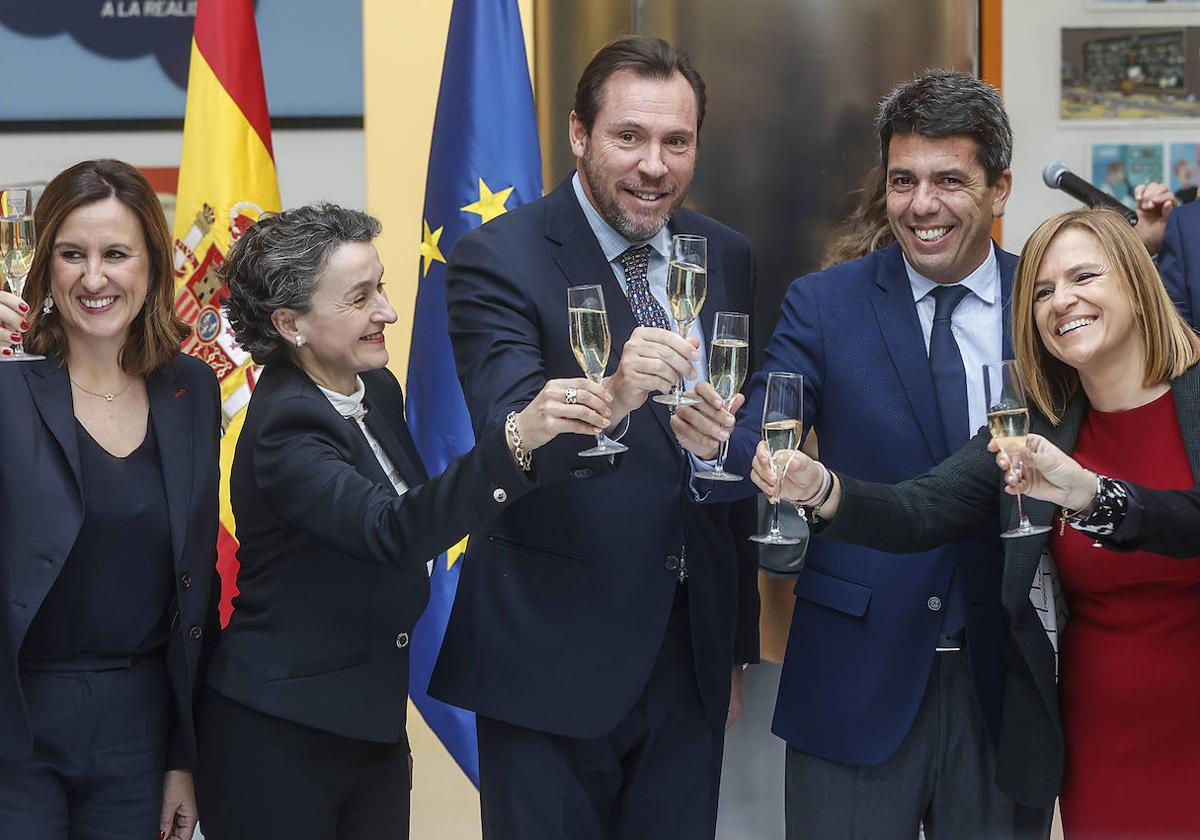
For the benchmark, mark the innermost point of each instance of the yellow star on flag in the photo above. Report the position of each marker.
(429, 247)
(490, 204)
(455, 552)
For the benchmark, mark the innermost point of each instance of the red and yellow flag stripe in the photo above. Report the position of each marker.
(226, 182)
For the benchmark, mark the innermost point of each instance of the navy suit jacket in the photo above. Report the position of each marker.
(333, 572)
(41, 511)
(564, 598)
(1179, 261)
(863, 632)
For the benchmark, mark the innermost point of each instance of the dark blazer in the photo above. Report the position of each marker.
(563, 600)
(1179, 261)
(333, 573)
(41, 511)
(865, 627)
(966, 492)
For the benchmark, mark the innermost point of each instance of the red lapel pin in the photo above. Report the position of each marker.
(180, 393)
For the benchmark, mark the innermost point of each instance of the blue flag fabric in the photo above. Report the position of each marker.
(484, 161)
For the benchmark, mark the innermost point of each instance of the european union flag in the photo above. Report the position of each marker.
(483, 162)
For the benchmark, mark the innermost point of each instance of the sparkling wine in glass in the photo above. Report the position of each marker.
(1008, 421)
(728, 360)
(590, 342)
(687, 287)
(17, 240)
(782, 422)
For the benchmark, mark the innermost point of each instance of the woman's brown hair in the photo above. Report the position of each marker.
(1169, 345)
(156, 331)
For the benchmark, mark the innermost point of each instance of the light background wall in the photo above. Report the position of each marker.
(1032, 55)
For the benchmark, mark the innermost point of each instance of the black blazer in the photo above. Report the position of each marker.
(333, 571)
(563, 599)
(965, 491)
(41, 511)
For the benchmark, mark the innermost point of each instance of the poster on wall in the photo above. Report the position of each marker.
(1184, 170)
(127, 60)
(1124, 5)
(1119, 167)
(1130, 74)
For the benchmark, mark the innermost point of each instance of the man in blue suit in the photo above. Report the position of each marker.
(601, 622)
(1172, 233)
(892, 684)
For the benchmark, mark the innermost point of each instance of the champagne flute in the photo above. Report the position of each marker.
(728, 359)
(783, 415)
(1008, 421)
(687, 287)
(17, 240)
(590, 343)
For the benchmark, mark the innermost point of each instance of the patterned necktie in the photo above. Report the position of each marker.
(647, 310)
(946, 364)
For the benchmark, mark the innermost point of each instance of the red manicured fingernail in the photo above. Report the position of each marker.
(23, 306)
(7, 351)
(24, 326)
(15, 336)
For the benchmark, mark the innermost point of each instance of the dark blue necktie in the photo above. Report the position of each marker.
(946, 365)
(950, 384)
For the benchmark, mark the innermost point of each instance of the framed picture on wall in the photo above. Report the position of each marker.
(123, 64)
(1183, 170)
(1119, 167)
(1130, 74)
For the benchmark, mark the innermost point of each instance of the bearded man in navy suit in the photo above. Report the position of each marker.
(601, 622)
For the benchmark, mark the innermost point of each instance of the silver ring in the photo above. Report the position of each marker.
(570, 395)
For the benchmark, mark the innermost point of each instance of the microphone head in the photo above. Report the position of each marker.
(1053, 173)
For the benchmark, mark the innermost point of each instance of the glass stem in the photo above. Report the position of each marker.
(775, 519)
(721, 453)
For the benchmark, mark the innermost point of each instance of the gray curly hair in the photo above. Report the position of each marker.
(277, 264)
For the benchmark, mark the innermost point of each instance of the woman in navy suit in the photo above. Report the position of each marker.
(108, 511)
(302, 724)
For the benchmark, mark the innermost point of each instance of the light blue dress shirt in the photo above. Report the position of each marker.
(977, 324)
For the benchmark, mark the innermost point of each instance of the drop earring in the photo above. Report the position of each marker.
(299, 341)
(47, 304)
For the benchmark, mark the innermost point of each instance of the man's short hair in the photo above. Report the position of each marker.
(651, 58)
(947, 103)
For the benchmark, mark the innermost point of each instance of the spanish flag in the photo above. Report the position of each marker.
(226, 182)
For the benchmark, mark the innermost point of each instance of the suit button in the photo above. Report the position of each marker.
(672, 562)
(185, 581)
(402, 640)
(582, 472)
(499, 495)
(934, 603)
(196, 632)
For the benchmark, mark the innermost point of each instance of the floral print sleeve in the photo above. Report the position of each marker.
(1106, 512)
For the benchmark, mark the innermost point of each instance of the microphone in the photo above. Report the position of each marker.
(1058, 177)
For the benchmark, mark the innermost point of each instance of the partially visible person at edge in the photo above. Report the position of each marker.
(1111, 372)
(1172, 234)
(601, 623)
(910, 657)
(108, 515)
(302, 724)
(866, 229)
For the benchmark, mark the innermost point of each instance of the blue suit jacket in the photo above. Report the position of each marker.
(564, 597)
(863, 634)
(1179, 261)
(41, 511)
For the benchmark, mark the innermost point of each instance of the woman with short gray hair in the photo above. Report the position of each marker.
(302, 729)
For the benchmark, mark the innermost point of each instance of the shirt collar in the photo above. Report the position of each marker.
(984, 281)
(348, 406)
(612, 243)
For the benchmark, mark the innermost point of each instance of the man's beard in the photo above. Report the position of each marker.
(615, 215)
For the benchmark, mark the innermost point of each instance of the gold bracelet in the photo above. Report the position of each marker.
(524, 459)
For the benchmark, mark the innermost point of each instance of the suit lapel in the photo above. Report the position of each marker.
(1185, 390)
(901, 331)
(170, 413)
(49, 384)
(405, 461)
(1008, 265)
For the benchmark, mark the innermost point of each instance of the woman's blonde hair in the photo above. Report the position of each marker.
(1169, 345)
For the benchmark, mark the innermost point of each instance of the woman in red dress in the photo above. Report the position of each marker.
(1112, 375)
